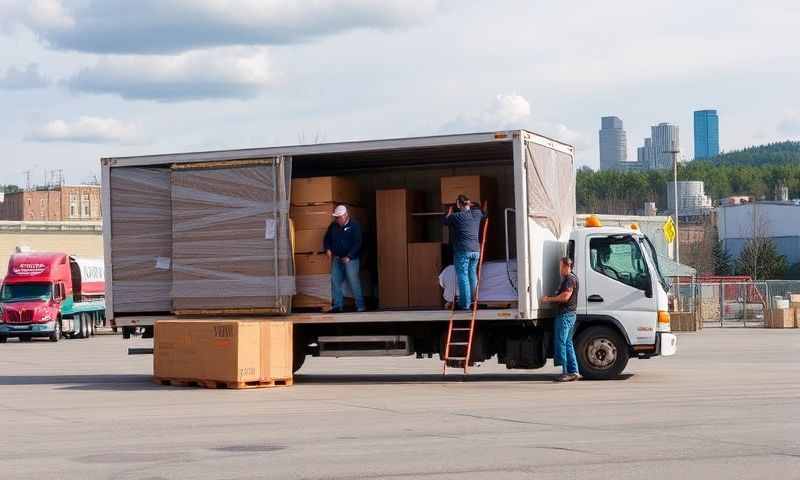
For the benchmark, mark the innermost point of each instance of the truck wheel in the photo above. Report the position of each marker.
(80, 319)
(126, 332)
(92, 323)
(56, 335)
(3, 339)
(25, 338)
(602, 353)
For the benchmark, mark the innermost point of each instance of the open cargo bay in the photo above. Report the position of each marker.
(226, 247)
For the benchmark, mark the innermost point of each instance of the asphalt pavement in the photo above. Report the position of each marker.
(726, 406)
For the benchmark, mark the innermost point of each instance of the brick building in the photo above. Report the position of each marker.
(55, 204)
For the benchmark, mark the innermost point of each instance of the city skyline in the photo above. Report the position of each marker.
(613, 143)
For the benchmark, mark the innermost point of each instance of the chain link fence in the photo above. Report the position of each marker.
(737, 303)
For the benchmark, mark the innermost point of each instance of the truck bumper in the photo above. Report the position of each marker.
(667, 344)
(28, 330)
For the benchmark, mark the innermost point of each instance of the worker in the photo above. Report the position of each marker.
(567, 299)
(465, 225)
(342, 244)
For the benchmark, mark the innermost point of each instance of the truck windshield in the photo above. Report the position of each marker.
(26, 291)
(654, 257)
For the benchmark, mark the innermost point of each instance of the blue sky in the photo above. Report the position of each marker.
(88, 78)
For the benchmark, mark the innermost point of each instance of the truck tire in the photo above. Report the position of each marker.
(126, 332)
(298, 360)
(25, 338)
(56, 335)
(3, 339)
(602, 353)
(92, 323)
(83, 325)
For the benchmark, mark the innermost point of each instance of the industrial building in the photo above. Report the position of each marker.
(53, 204)
(779, 221)
(692, 200)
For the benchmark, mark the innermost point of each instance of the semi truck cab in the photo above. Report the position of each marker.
(47, 294)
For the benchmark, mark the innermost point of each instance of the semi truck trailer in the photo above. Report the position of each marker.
(53, 295)
(623, 297)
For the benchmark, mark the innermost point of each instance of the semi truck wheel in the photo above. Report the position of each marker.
(56, 335)
(3, 339)
(602, 353)
(82, 327)
(25, 338)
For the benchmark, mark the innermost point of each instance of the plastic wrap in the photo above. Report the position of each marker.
(141, 239)
(319, 286)
(551, 188)
(230, 234)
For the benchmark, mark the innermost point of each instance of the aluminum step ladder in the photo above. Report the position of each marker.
(461, 331)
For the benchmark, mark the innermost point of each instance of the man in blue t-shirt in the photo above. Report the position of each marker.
(465, 227)
(343, 245)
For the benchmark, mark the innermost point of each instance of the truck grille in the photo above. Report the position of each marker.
(25, 316)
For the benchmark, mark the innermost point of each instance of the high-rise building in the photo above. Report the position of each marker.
(665, 140)
(613, 143)
(706, 133)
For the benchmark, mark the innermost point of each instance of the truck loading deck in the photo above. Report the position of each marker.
(177, 224)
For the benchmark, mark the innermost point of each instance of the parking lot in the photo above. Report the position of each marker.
(727, 406)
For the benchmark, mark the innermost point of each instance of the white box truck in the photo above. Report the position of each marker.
(623, 300)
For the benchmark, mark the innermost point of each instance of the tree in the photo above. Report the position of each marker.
(760, 260)
(723, 264)
(9, 188)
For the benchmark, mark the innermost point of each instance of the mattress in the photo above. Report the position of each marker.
(495, 286)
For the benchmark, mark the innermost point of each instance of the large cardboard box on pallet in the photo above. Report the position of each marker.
(309, 241)
(227, 351)
(306, 191)
(781, 318)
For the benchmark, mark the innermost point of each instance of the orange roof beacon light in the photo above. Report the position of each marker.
(592, 221)
(634, 226)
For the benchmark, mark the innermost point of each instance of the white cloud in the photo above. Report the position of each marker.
(508, 112)
(237, 72)
(20, 79)
(86, 130)
(503, 113)
(157, 26)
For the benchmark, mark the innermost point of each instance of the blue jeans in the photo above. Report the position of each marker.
(564, 350)
(349, 272)
(466, 266)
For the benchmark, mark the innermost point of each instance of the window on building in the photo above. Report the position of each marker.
(620, 259)
(85, 206)
(73, 205)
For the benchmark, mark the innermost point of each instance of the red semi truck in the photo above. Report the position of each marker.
(53, 295)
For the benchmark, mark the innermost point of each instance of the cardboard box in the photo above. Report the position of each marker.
(311, 217)
(312, 264)
(309, 241)
(395, 228)
(781, 318)
(424, 266)
(476, 187)
(794, 298)
(307, 191)
(231, 351)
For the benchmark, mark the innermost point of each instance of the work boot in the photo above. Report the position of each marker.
(567, 377)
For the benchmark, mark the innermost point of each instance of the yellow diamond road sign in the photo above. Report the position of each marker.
(669, 230)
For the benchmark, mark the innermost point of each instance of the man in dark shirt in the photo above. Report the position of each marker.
(342, 243)
(465, 225)
(567, 299)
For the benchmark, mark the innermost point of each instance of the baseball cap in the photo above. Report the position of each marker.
(340, 211)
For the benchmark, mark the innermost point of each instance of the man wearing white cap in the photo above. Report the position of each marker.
(343, 245)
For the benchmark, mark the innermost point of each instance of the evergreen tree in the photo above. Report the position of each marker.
(760, 260)
(722, 260)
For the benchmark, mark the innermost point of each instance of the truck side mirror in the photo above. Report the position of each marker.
(648, 290)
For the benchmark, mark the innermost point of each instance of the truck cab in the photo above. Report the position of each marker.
(623, 298)
(46, 294)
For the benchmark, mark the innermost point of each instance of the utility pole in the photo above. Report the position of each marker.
(674, 152)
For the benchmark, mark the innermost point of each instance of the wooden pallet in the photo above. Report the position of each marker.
(188, 382)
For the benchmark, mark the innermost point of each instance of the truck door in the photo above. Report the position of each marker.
(544, 186)
(618, 285)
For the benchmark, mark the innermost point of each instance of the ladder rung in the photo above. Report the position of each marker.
(456, 358)
(461, 329)
(459, 343)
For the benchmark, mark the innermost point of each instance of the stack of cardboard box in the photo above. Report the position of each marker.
(313, 201)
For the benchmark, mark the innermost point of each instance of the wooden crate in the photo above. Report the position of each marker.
(781, 318)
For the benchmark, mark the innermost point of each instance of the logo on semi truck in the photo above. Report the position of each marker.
(29, 269)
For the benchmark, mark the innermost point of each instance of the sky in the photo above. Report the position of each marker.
(85, 79)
